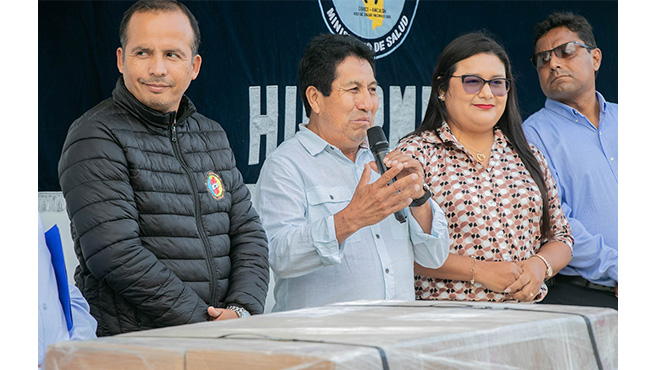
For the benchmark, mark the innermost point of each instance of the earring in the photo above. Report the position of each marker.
(441, 97)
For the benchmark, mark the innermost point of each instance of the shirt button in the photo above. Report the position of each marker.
(377, 236)
(332, 197)
(612, 158)
(45, 306)
(387, 271)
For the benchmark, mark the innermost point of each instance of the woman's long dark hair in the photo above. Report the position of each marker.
(510, 122)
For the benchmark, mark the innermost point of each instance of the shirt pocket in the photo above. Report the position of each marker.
(325, 201)
(400, 231)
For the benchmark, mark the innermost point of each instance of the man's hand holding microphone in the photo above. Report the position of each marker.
(400, 186)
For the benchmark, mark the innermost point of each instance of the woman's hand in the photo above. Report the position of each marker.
(410, 166)
(527, 287)
(496, 276)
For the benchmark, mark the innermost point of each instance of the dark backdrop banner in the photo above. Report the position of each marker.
(250, 49)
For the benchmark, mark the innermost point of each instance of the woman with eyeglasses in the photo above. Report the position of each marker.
(507, 230)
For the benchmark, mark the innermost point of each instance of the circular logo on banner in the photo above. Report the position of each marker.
(214, 185)
(381, 24)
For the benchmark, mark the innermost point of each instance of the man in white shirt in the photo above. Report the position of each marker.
(327, 213)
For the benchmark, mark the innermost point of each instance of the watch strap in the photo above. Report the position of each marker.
(241, 311)
(421, 200)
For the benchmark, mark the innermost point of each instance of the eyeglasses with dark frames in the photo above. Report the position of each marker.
(473, 84)
(565, 51)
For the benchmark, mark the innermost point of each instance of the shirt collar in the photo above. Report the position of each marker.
(314, 144)
(569, 112)
(602, 102)
(445, 135)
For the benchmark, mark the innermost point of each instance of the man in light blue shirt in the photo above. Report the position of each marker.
(576, 131)
(53, 327)
(328, 215)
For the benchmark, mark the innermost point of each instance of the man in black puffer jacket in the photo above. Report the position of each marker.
(161, 220)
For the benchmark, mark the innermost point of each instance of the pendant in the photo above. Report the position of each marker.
(480, 157)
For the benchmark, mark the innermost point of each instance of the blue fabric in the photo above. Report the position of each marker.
(584, 162)
(303, 184)
(53, 326)
(53, 241)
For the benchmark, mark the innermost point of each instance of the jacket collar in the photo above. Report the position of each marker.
(147, 115)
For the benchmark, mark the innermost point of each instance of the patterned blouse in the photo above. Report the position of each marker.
(494, 213)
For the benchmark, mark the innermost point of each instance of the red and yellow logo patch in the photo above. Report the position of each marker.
(214, 185)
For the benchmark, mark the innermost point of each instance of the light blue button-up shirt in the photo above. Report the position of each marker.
(583, 161)
(302, 185)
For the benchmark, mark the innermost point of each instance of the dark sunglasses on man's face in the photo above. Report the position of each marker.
(473, 84)
(566, 50)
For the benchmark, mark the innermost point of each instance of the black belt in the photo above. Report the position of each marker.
(577, 280)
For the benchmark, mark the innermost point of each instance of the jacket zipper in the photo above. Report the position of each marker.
(201, 233)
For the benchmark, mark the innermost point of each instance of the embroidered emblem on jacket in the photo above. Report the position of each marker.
(214, 185)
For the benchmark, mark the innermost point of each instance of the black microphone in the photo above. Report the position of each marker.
(380, 147)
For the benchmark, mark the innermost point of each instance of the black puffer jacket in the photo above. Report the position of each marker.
(155, 246)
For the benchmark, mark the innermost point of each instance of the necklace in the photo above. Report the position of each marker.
(480, 157)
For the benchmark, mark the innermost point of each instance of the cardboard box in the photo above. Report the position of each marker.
(367, 335)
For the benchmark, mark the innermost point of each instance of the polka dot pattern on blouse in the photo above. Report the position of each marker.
(494, 213)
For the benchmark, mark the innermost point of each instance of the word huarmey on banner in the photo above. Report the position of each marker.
(400, 105)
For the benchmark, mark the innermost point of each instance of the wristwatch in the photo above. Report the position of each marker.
(421, 200)
(241, 311)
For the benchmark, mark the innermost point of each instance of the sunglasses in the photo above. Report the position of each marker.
(474, 84)
(566, 50)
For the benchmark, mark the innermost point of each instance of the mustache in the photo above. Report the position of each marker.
(559, 73)
(156, 81)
